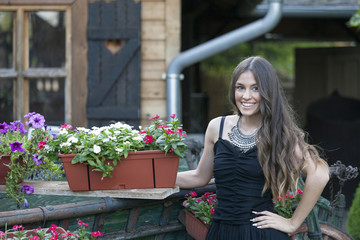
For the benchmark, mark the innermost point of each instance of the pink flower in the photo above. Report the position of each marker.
(169, 131)
(156, 117)
(162, 126)
(198, 200)
(18, 227)
(142, 132)
(173, 116)
(35, 238)
(149, 139)
(299, 191)
(171, 149)
(279, 198)
(96, 234)
(193, 194)
(179, 131)
(66, 126)
(41, 145)
(212, 210)
(82, 223)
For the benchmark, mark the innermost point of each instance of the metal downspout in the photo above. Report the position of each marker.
(212, 47)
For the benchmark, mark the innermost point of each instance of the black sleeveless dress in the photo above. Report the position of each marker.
(239, 183)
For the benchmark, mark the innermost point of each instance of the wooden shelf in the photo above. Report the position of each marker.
(62, 188)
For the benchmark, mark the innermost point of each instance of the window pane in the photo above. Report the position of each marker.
(47, 97)
(6, 100)
(47, 39)
(6, 39)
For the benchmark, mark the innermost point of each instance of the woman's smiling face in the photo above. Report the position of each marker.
(247, 94)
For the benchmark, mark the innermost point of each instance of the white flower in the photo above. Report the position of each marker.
(117, 132)
(127, 143)
(112, 138)
(106, 140)
(119, 150)
(73, 139)
(65, 144)
(97, 149)
(138, 138)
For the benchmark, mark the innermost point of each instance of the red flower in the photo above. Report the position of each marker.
(156, 117)
(96, 234)
(41, 145)
(18, 227)
(82, 223)
(142, 132)
(171, 149)
(172, 115)
(162, 126)
(193, 194)
(179, 131)
(35, 238)
(149, 139)
(169, 131)
(212, 210)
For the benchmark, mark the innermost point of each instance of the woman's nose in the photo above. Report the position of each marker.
(247, 94)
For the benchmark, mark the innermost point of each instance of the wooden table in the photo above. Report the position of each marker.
(62, 188)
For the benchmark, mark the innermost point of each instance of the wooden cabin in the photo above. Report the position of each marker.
(89, 62)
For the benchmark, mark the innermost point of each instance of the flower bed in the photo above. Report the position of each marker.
(52, 233)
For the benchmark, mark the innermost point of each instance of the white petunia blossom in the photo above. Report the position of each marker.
(97, 149)
(73, 139)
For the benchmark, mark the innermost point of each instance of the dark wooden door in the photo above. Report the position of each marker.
(114, 62)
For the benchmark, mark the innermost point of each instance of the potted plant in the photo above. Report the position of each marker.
(22, 155)
(103, 155)
(54, 232)
(285, 205)
(199, 213)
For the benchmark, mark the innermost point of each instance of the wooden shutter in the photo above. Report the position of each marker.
(114, 62)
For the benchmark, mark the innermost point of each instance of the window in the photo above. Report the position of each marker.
(35, 62)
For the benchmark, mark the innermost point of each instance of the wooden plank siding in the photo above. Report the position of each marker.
(160, 39)
(114, 62)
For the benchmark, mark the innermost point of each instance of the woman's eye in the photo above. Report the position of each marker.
(240, 87)
(255, 89)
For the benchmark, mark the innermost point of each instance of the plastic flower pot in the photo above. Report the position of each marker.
(4, 159)
(195, 227)
(143, 169)
(30, 233)
(4, 170)
(77, 175)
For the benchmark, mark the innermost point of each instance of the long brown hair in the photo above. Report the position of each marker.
(279, 134)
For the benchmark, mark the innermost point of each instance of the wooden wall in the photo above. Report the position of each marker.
(160, 43)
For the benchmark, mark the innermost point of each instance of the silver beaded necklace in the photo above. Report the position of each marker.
(242, 141)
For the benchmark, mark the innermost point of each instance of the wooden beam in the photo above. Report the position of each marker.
(62, 188)
(79, 63)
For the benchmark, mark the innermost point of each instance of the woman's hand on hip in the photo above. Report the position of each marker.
(266, 219)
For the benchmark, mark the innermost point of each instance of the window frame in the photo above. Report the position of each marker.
(75, 56)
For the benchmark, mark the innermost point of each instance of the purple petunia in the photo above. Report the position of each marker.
(4, 127)
(26, 204)
(36, 159)
(37, 120)
(17, 125)
(16, 146)
(27, 189)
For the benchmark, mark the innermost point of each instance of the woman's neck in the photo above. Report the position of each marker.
(250, 124)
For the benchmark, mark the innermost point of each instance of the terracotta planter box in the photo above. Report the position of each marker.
(195, 227)
(31, 233)
(4, 159)
(77, 174)
(143, 169)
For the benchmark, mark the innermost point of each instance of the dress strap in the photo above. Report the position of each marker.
(221, 126)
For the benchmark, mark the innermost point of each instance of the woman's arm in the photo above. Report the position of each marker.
(316, 180)
(205, 170)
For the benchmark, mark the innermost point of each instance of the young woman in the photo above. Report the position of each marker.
(256, 155)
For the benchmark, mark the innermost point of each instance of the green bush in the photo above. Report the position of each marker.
(353, 221)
